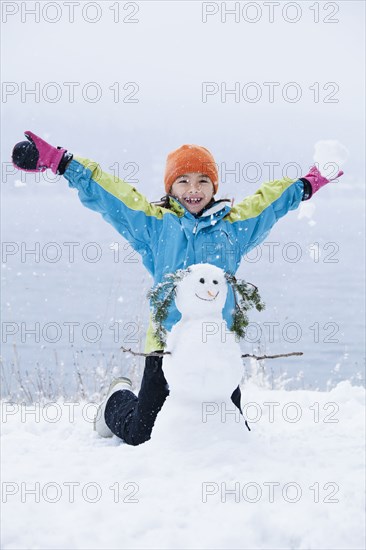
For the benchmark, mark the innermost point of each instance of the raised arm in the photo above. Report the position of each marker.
(120, 204)
(254, 217)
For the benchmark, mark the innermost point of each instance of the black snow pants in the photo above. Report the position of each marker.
(132, 418)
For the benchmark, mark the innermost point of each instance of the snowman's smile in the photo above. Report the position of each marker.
(209, 299)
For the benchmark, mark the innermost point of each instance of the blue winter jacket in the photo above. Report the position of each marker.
(172, 238)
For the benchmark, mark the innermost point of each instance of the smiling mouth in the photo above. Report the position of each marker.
(193, 200)
(208, 299)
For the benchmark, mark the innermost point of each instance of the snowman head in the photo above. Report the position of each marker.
(201, 292)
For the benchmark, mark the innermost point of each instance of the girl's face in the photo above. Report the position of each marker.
(193, 190)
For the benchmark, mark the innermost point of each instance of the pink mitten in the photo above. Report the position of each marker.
(317, 181)
(36, 155)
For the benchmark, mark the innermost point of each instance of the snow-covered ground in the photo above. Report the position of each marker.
(284, 485)
(295, 481)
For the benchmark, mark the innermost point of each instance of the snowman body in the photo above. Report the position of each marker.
(205, 360)
(204, 366)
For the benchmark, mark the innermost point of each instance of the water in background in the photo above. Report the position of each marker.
(89, 299)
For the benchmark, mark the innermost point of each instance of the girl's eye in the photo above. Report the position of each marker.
(202, 280)
(215, 282)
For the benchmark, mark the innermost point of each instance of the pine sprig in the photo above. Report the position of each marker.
(161, 298)
(246, 297)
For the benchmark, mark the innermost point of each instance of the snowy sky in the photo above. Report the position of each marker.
(169, 53)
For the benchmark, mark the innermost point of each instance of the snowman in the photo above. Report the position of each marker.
(204, 366)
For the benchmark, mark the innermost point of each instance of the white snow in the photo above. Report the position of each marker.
(330, 154)
(172, 497)
(203, 481)
(306, 210)
(19, 183)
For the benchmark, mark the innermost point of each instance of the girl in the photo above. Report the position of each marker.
(188, 227)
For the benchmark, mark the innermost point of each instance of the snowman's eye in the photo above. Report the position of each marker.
(215, 282)
(202, 280)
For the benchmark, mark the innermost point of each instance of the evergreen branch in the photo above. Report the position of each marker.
(161, 298)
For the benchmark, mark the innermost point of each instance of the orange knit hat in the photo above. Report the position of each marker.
(190, 158)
